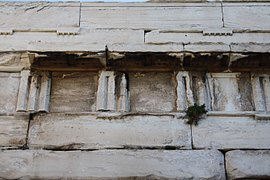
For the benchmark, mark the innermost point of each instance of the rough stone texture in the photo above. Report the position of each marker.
(251, 16)
(251, 47)
(231, 133)
(73, 92)
(106, 100)
(230, 91)
(93, 40)
(10, 62)
(153, 92)
(92, 132)
(248, 164)
(126, 47)
(112, 164)
(31, 15)
(200, 38)
(13, 130)
(159, 16)
(9, 83)
(207, 47)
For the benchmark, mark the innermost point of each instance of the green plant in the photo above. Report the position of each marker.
(194, 113)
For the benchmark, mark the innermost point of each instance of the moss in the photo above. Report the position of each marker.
(194, 113)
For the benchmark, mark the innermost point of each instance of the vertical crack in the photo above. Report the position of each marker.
(191, 134)
(224, 160)
(80, 14)
(25, 146)
(222, 14)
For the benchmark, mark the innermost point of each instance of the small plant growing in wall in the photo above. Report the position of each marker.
(194, 113)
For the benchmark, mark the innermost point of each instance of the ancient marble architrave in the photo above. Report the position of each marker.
(107, 130)
(101, 90)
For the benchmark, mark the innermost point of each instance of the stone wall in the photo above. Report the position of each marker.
(84, 96)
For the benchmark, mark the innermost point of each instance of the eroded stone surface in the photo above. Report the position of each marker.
(230, 91)
(154, 92)
(155, 17)
(13, 130)
(112, 164)
(90, 132)
(9, 86)
(73, 92)
(250, 16)
(93, 40)
(202, 39)
(32, 15)
(248, 164)
(231, 133)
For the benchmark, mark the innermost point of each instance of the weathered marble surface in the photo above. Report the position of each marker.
(9, 86)
(73, 92)
(248, 164)
(112, 164)
(152, 92)
(250, 16)
(157, 16)
(251, 47)
(199, 38)
(86, 40)
(13, 130)
(231, 133)
(88, 132)
(127, 47)
(230, 91)
(39, 15)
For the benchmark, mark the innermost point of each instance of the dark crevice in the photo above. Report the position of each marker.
(152, 61)
(124, 147)
(145, 32)
(241, 149)
(191, 134)
(31, 117)
(80, 14)
(222, 14)
(224, 160)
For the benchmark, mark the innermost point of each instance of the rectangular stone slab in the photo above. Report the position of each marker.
(146, 96)
(176, 16)
(39, 15)
(231, 133)
(80, 97)
(112, 164)
(60, 131)
(161, 37)
(248, 164)
(9, 87)
(85, 40)
(13, 131)
(252, 16)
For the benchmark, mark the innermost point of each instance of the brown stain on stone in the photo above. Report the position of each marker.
(16, 141)
(245, 92)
